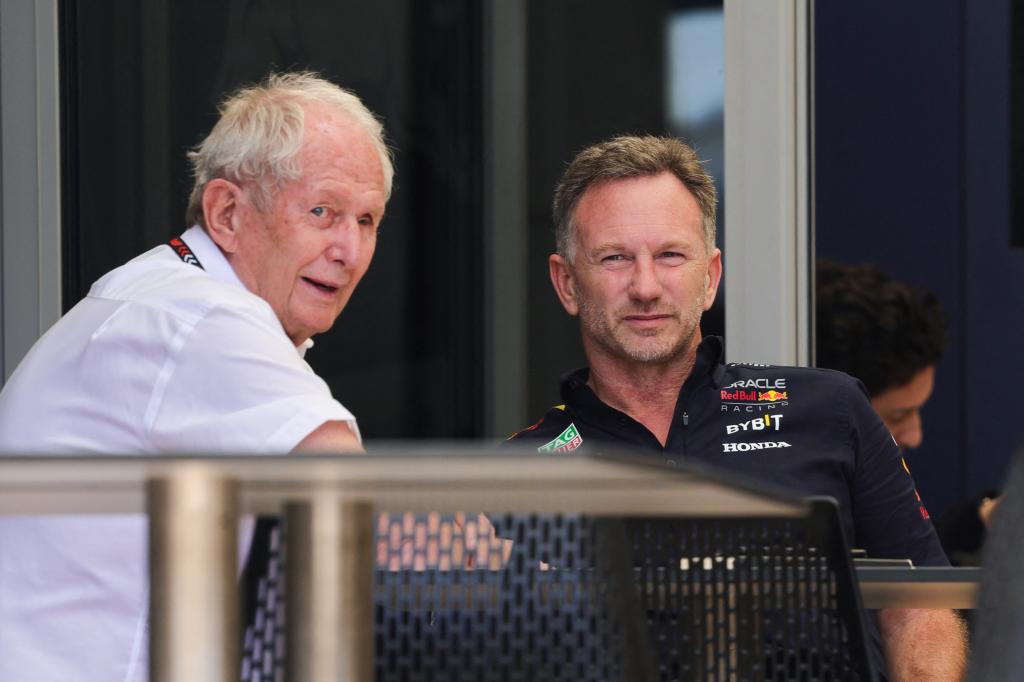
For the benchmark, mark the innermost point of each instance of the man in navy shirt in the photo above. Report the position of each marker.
(636, 262)
(891, 336)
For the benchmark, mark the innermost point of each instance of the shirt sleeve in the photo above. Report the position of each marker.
(234, 383)
(890, 520)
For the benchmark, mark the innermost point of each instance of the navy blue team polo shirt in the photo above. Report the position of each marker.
(810, 430)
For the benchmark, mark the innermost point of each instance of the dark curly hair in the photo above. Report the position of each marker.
(875, 328)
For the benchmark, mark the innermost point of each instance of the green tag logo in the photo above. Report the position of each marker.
(567, 441)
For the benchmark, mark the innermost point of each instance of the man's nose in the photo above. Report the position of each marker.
(911, 435)
(346, 241)
(644, 285)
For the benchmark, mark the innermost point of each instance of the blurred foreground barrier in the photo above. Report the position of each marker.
(461, 563)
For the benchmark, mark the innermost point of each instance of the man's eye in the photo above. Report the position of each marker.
(615, 257)
(367, 221)
(319, 211)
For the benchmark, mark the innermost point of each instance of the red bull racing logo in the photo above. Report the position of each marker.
(739, 395)
(754, 396)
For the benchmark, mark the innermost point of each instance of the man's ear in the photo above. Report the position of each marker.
(222, 202)
(564, 281)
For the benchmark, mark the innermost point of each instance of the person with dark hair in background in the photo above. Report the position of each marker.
(891, 336)
(886, 334)
(636, 263)
(196, 346)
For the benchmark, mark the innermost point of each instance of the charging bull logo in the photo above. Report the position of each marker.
(772, 395)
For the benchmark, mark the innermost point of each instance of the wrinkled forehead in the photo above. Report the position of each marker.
(336, 148)
(329, 130)
(326, 120)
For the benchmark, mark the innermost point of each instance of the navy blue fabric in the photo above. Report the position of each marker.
(810, 430)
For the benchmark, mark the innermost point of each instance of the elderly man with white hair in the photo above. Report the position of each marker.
(194, 346)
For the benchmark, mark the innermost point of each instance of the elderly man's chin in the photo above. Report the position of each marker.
(311, 320)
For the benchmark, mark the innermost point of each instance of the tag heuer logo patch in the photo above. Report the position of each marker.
(567, 441)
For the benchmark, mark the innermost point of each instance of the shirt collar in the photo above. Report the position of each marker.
(710, 353)
(218, 267)
(210, 255)
(711, 359)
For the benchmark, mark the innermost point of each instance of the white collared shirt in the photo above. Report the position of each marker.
(160, 357)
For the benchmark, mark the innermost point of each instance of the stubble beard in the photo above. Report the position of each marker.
(655, 346)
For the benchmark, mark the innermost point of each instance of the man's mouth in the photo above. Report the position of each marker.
(325, 287)
(645, 317)
(647, 321)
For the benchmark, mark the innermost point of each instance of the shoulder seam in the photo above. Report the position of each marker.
(533, 426)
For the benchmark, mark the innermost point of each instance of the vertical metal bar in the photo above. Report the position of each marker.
(505, 197)
(803, 208)
(767, 272)
(329, 581)
(29, 176)
(194, 609)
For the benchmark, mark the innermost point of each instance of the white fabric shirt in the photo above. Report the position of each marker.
(160, 357)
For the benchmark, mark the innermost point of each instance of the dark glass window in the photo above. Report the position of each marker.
(595, 71)
(140, 84)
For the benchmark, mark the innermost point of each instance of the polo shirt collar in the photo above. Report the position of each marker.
(708, 363)
(210, 255)
(217, 266)
(711, 359)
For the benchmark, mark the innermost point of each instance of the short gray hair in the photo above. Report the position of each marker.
(630, 157)
(259, 135)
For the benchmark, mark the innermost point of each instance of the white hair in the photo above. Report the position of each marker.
(259, 135)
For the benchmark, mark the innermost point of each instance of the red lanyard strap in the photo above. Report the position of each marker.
(184, 252)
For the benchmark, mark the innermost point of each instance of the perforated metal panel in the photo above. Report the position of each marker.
(576, 598)
(588, 598)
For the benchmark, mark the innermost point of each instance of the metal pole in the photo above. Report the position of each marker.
(194, 612)
(329, 582)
